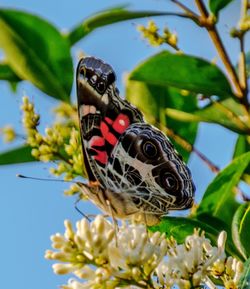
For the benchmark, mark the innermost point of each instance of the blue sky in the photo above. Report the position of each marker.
(30, 211)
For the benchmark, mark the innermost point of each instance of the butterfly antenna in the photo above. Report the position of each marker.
(61, 181)
(44, 179)
(38, 179)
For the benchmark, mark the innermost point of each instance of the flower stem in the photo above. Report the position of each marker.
(188, 11)
(233, 116)
(242, 58)
(214, 35)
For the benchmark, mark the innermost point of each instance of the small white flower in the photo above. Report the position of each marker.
(85, 273)
(61, 268)
(135, 248)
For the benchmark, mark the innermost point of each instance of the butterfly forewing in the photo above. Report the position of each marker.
(103, 115)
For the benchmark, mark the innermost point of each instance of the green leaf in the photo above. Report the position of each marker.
(227, 113)
(37, 52)
(6, 73)
(216, 5)
(245, 277)
(240, 229)
(107, 17)
(242, 146)
(182, 115)
(219, 199)
(180, 228)
(153, 100)
(17, 155)
(184, 72)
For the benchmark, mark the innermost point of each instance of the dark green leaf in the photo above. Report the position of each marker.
(216, 5)
(245, 277)
(227, 113)
(180, 228)
(107, 17)
(184, 72)
(37, 52)
(13, 86)
(6, 73)
(18, 155)
(219, 199)
(240, 229)
(242, 146)
(153, 101)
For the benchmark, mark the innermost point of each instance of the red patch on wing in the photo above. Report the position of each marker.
(97, 141)
(121, 123)
(104, 129)
(101, 156)
(111, 138)
(107, 135)
(108, 120)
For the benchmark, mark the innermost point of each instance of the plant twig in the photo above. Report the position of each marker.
(239, 192)
(242, 68)
(188, 11)
(241, 124)
(242, 58)
(214, 35)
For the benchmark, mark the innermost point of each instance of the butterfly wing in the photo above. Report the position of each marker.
(136, 167)
(103, 115)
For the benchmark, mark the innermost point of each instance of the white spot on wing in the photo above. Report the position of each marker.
(122, 122)
(92, 109)
(84, 110)
(105, 98)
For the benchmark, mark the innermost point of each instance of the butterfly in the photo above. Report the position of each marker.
(133, 168)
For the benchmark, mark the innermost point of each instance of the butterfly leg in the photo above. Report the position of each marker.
(79, 211)
(113, 219)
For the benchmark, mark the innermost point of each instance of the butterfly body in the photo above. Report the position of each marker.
(132, 166)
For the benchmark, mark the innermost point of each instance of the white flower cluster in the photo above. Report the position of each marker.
(133, 258)
(194, 262)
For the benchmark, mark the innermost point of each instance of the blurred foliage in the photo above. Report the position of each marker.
(168, 87)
